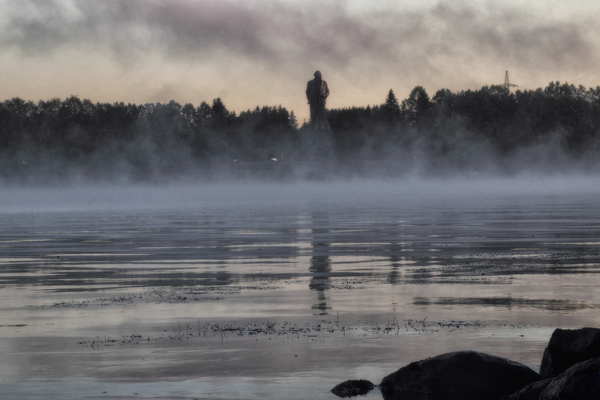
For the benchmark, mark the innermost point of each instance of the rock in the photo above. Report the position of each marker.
(353, 388)
(568, 347)
(580, 382)
(530, 392)
(462, 375)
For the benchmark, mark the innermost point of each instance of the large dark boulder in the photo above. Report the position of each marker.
(462, 375)
(353, 388)
(580, 382)
(568, 347)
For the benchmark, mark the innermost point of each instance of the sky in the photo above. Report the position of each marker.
(262, 52)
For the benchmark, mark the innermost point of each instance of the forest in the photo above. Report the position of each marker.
(490, 130)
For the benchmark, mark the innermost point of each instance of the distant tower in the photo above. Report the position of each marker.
(507, 83)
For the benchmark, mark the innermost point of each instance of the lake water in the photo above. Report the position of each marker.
(256, 290)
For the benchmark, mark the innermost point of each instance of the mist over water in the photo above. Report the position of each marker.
(250, 194)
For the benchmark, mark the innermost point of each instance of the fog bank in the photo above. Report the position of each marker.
(300, 195)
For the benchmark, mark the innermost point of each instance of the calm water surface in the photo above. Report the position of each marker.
(251, 291)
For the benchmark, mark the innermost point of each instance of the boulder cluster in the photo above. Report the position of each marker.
(570, 370)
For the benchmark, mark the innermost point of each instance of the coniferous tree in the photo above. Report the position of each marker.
(219, 114)
(391, 109)
(293, 122)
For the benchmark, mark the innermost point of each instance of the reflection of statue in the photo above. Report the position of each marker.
(395, 261)
(316, 93)
(320, 267)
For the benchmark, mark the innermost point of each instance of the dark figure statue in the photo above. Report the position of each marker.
(316, 93)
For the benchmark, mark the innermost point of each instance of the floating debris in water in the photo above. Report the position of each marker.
(317, 330)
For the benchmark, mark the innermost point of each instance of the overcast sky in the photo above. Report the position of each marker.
(262, 52)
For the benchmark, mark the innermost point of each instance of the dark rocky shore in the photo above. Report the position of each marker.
(570, 370)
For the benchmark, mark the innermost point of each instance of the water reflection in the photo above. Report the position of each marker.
(395, 262)
(320, 265)
(559, 305)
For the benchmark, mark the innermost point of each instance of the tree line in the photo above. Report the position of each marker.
(56, 137)
(447, 130)
(506, 121)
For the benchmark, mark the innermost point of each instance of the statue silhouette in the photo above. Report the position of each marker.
(316, 93)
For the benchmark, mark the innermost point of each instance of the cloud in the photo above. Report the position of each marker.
(279, 33)
(513, 34)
